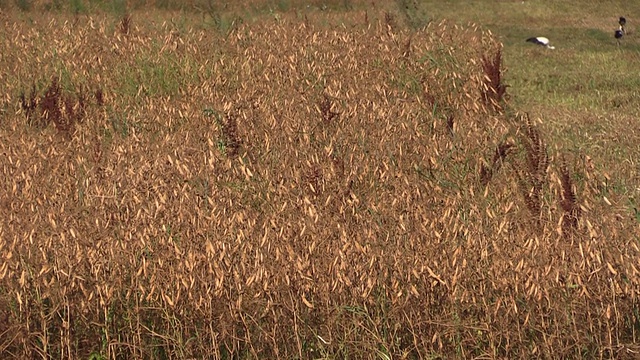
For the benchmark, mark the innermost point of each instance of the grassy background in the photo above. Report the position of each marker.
(291, 179)
(588, 72)
(586, 91)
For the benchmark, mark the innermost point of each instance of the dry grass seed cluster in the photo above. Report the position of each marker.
(286, 188)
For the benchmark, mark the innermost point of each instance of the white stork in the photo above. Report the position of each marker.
(539, 40)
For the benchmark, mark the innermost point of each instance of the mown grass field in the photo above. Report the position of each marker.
(318, 180)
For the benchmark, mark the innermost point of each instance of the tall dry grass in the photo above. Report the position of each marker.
(292, 190)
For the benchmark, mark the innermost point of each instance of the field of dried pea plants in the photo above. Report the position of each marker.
(294, 188)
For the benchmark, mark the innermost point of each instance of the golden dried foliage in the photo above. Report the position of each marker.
(285, 189)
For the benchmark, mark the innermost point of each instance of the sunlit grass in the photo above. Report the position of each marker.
(280, 180)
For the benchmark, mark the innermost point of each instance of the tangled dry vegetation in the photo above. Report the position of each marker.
(292, 190)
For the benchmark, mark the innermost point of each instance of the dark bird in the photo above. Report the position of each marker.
(539, 40)
(619, 34)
